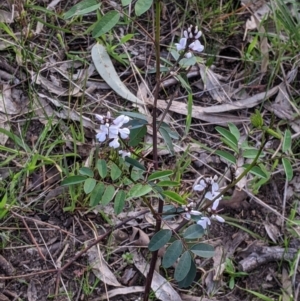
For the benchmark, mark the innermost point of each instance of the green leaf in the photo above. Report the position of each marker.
(172, 253)
(85, 171)
(227, 156)
(174, 196)
(135, 115)
(188, 280)
(234, 130)
(188, 121)
(257, 171)
(135, 123)
(72, 180)
(203, 250)
(89, 185)
(287, 141)
(82, 8)
(119, 201)
(125, 2)
(288, 169)
(136, 135)
(106, 23)
(102, 168)
(115, 172)
(139, 190)
(228, 138)
(142, 6)
(167, 139)
(259, 295)
(159, 239)
(193, 232)
(272, 132)
(3, 209)
(168, 184)
(16, 139)
(108, 195)
(251, 153)
(160, 174)
(135, 163)
(183, 266)
(172, 134)
(96, 194)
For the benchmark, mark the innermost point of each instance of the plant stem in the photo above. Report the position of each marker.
(155, 160)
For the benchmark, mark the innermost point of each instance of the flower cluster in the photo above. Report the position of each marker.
(190, 42)
(212, 191)
(111, 128)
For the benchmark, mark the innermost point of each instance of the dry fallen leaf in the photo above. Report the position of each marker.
(100, 267)
(272, 231)
(161, 287)
(212, 85)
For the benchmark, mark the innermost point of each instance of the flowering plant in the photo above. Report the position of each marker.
(190, 43)
(112, 129)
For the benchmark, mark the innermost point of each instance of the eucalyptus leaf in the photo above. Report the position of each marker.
(108, 73)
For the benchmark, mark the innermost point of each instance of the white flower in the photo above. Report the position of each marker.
(101, 136)
(120, 120)
(218, 218)
(111, 129)
(192, 212)
(201, 186)
(181, 45)
(124, 154)
(104, 119)
(196, 46)
(113, 132)
(188, 55)
(124, 133)
(210, 195)
(114, 143)
(203, 222)
(215, 204)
